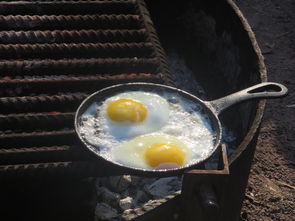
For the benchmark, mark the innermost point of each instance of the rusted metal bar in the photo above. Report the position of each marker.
(33, 149)
(73, 36)
(44, 169)
(51, 138)
(153, 37)
(76, 169)
(66, 7)
(86, 84)
(29, 104)
(37, 121)
(79, 66)
(43, 154)
(73, 50)
(56, 22)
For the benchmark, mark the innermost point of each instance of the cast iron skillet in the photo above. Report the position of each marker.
(210, 108)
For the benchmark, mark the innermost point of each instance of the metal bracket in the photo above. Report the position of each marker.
(203, 191)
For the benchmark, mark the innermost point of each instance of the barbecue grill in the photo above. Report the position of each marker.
(55, 53)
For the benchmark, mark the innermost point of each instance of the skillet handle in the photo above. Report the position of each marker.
(262, 90)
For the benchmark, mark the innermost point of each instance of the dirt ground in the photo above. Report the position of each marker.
(271, 190)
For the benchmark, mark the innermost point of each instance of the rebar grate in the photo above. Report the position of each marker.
(52, 55)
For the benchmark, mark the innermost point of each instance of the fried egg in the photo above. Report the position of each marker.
(153, 131)
(152, 151)
(131, 114)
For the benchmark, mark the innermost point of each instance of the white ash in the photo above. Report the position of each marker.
(163, 187)
(182, 76)
(229, 139)
(126, 197)
(105, 212)
(126, 203)
(107, 196)
(120, 183)
(141, 196)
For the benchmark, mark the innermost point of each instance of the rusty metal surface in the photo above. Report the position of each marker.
(52, 7)
(56, 22)
(79, 66)
(37, 104)
(53, 55)
(98, 50)
(73, 36)
(83, 84)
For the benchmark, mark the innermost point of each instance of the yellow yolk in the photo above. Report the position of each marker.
(127, 110)
(164, 153)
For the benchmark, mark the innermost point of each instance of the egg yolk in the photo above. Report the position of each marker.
(127, 110)
(164, 153)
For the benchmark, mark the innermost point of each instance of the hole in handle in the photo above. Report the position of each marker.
(266, 88)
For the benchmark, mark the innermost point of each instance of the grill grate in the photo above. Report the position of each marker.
(53, 54)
